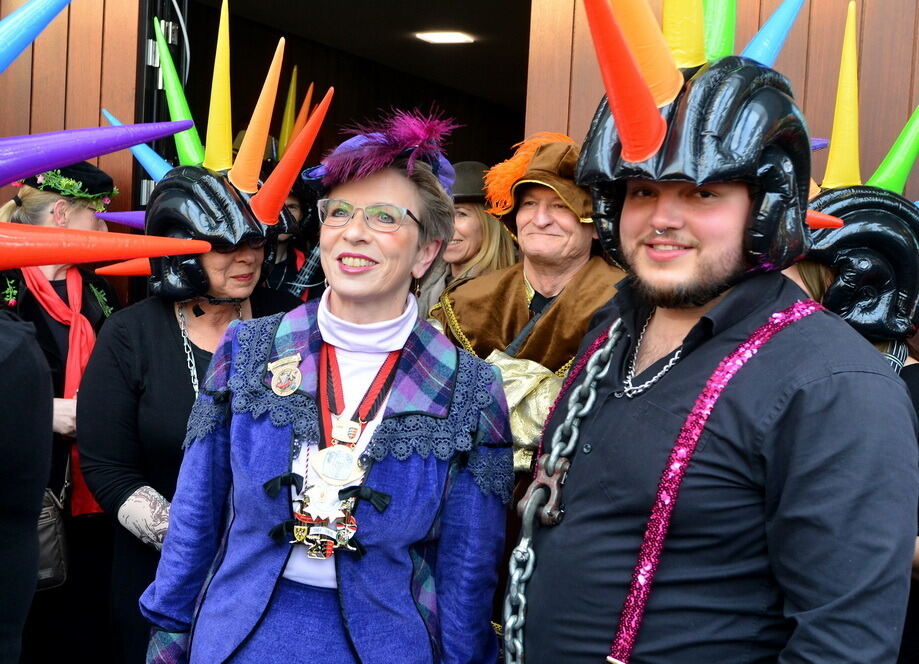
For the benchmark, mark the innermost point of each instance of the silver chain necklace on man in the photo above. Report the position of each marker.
(629, 390)
(186, 344)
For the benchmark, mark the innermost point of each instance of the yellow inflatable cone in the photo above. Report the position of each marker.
(842, 162)
(684, 30)
(248, 164)
(304, 113)
(287, 120)
(218, 152)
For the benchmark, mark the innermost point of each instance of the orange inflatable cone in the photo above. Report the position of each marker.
(822, 220)
(640, 125)
(136, 267)
(248, 163)
(22, 245)
(300, 122)
(649, 48)
(267, 203)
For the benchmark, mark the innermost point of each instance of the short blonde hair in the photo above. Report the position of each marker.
(497, 251)
(33, 207)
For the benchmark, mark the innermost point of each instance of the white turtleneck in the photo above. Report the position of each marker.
(360, 350)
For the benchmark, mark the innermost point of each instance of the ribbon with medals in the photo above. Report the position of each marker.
(324, 522)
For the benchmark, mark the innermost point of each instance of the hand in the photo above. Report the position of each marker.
(65, 417)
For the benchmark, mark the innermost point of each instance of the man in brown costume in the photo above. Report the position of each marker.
(529, 319)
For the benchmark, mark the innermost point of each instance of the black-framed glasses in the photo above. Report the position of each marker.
(383, 217)
(252, 243)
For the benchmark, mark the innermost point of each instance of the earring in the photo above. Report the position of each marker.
(416, 287)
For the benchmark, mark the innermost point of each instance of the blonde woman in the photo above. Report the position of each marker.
(480, 243)
(67, 306)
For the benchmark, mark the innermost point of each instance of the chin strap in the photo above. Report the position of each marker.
(236, 301)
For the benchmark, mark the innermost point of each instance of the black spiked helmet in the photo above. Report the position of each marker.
(875, 260)
(735, 120)
(194, 202)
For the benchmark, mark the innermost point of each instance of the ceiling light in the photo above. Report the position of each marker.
(445, 37)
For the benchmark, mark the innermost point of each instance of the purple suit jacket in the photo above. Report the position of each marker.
(423, 590)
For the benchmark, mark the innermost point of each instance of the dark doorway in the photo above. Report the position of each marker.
(368, 51)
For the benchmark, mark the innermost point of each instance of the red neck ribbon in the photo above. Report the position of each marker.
(331, 395)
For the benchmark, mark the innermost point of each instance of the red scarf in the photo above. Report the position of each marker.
(81, 340)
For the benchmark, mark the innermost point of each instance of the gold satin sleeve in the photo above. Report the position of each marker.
(530, 390)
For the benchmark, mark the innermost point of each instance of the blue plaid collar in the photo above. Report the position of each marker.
(425, 375)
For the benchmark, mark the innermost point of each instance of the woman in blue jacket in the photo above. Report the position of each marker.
(342, 493)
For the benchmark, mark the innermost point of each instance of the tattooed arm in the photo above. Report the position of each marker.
(146, 515)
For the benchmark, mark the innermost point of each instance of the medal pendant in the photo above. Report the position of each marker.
(300, 533)
(346, 431)
(285, 375)
(346, 528)
(336, 465)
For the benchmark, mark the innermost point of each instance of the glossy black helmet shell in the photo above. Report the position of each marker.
(196, 203)
(875, 260)
(734, 120)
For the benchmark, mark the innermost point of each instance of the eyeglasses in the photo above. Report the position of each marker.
(252, 243)
(383, 217)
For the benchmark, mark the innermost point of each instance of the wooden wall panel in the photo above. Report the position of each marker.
(119, 65)
(16, 93)
(586, 82)
(550, 75)
(827, 23)
(85, 57)
(84, 73)
(49, 76)
(889, 77)
(15, 86)
(884, 77)
(792, 60)
(748, 22)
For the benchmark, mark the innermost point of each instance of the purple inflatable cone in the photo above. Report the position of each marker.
(134, 219)
(22, 156)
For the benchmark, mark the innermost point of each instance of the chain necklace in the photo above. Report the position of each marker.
(629, 390)
(186, 344)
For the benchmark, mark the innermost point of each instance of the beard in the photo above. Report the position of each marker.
(711, 279)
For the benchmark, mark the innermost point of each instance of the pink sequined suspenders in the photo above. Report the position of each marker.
(633, 609)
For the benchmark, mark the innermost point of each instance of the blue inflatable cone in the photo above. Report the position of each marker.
(21, 27)
(768, 42)
(152, 162)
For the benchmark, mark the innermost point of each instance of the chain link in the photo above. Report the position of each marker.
(564, 440)
(186, 344)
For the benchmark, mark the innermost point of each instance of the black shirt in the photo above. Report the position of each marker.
(134, 404)
(25, 447)
(793, 533)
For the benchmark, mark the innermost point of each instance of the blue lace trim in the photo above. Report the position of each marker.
(207, 415)
(404, 435)
(399, 436)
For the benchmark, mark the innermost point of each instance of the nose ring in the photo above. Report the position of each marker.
(658, 231)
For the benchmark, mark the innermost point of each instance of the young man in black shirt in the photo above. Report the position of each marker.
(743, 474)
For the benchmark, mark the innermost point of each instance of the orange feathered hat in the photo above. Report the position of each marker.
(546, 158)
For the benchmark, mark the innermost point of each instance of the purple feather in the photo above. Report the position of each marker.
(373, 147)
